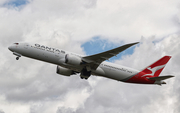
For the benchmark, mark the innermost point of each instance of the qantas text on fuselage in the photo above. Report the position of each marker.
(69, 63)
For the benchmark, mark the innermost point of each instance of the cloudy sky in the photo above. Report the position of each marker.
(88, 27)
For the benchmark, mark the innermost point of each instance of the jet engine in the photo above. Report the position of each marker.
(72, 59)
(64, 71)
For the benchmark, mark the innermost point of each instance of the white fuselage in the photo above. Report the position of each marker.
(57, 56)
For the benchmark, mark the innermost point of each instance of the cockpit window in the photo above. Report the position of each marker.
(16, 43)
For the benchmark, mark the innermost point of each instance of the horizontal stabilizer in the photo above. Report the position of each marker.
(160, 77)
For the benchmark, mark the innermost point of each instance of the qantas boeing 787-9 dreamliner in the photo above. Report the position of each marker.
(69, 63)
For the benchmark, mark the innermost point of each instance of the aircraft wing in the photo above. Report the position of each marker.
(93, 61)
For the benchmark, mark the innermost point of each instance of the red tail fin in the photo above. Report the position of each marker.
(156, 68)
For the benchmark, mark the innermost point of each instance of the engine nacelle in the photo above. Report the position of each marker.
(72, 59)
(64, 71)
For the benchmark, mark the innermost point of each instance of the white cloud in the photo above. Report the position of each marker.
(122, 20)
(31, 86)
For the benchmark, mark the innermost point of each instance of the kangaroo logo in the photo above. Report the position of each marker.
(153, 70)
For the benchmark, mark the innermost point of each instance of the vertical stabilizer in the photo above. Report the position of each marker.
(150, 75)
(156, 68)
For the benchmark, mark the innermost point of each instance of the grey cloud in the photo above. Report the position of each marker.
(65, 110)
(33, 86)
(39, 87)
(1, 111)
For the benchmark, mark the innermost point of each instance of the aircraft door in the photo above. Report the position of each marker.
(26, 46)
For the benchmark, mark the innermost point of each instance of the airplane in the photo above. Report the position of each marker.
(69, 63)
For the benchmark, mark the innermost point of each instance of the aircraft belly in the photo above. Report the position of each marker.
(114, 73)
(98, 72)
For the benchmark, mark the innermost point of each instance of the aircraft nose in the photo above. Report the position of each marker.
(10, 48)
(13, 47)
